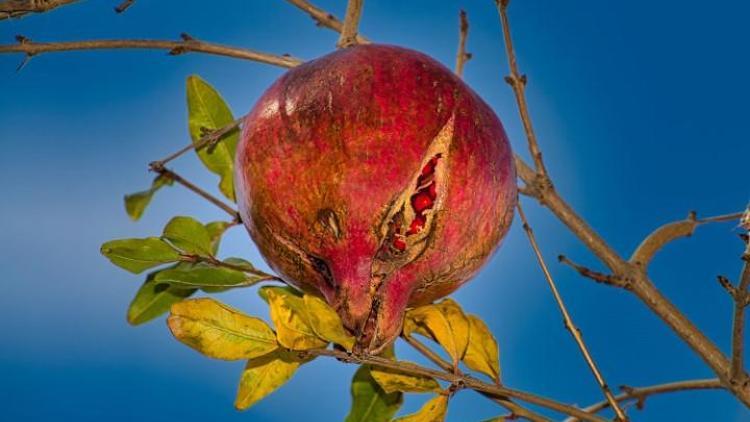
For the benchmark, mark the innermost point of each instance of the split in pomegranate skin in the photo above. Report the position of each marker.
(376, 178)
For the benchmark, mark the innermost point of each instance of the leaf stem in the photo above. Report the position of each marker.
(193, 258)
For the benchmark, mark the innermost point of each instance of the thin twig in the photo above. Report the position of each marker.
(207, 196)
(465, 380)
(657, 239)
(188, 44)
(516, 409)
(350, 27)
(463, 33)
(124, 6)
(206, 141)
(569, 325)
(19, 8)
(741, 299)
(641, 393)
(323, 18)
(597, 276)
(517, 81)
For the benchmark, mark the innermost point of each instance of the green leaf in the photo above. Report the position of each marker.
(291, 319)
(188, 235)
(432, 411)
(215, 231)
(154, 299)
(240, 263)
(392, 380)
(369, 402)
(220, 332)
(445, 323)
(264, 375)
(482, 354)
(137, 255)
(207, 111)
(136, 203)
(326, 323)
(206, 276)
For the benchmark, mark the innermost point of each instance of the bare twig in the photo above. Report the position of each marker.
(463, 32)
(517, 81)
(597, 276)
(19, 8)
(741, 300)
(124, 6)
(350, 27)
(568, 320)
(207, 141)
(187, 44)
(207, 196)
(323, 18)
(641, 393)
(671, 231)
(464, 380)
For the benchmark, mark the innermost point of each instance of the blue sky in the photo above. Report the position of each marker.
(640, 108)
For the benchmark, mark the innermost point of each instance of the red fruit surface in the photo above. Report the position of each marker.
(376, 178)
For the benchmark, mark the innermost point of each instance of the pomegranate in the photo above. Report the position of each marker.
(375, 178)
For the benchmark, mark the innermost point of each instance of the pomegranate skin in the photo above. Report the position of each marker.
(375, 178)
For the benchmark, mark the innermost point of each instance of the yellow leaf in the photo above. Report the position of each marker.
(445, 323)
(264, 375)
(432, 411)
(289, 315)
(391, 380)
(326, 323)
(220, 332)
(482, 354)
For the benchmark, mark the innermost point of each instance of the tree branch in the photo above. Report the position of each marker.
(568, 320)
(188, 44)
(516, 409)
(348, 36)
(645, 252)
(741, 300)
(517, 81)
(641, 393)
(634, 276)
(460, 380)
(205, 195)
(125, 5)
(19, 8)
(323, 18)
(463, 32)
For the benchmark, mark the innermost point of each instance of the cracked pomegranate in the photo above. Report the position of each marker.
(376, 178)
